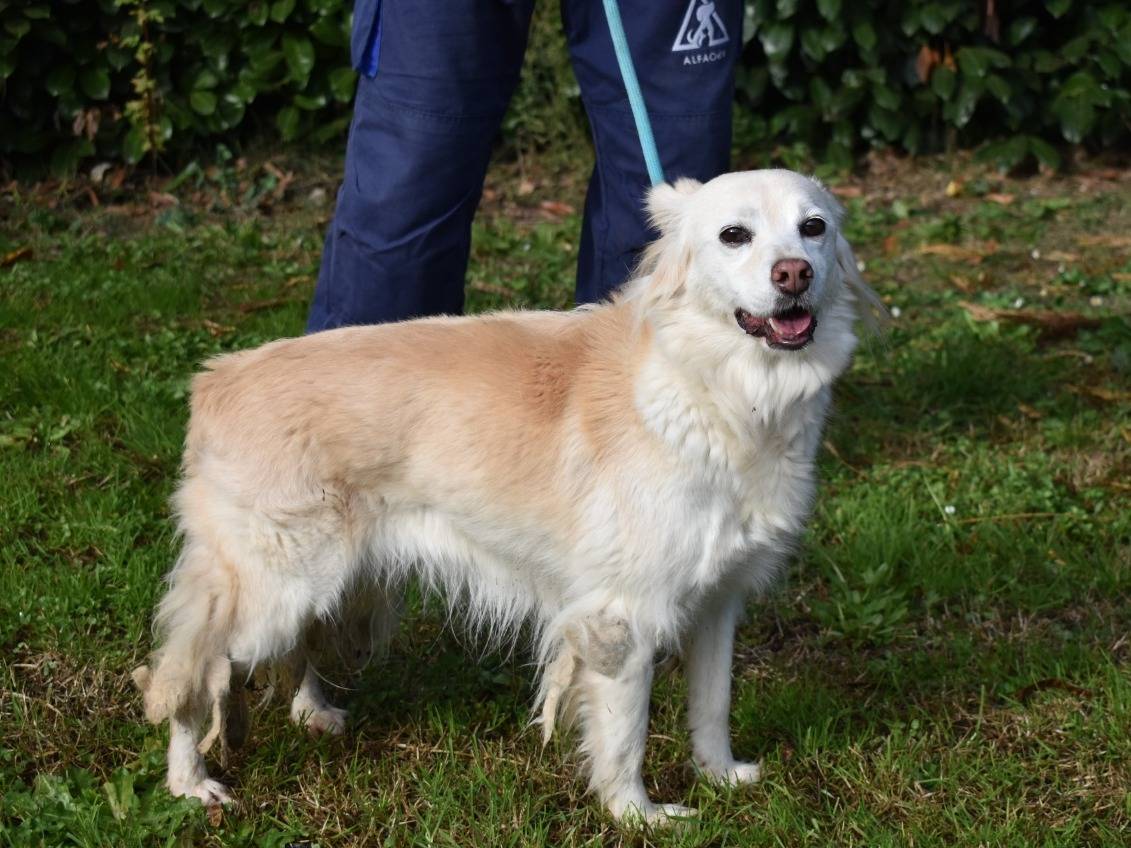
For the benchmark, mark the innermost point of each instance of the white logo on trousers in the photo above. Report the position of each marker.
(701, 27)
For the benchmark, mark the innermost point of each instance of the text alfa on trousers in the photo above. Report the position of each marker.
(701, 58)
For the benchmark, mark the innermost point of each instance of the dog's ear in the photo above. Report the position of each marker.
(666, 202)
(869, 307)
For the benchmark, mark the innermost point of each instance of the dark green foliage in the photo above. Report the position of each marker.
(124, 78)
(130, 78)
(923, 75)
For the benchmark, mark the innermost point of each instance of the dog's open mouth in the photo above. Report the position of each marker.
(790, 329)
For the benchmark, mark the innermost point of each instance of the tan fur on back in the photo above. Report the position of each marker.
(444, 402)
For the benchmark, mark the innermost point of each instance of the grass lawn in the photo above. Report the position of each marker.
(947, 663)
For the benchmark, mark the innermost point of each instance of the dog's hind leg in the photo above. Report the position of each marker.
(237, 718)
(215, 616)
(363, 625)
(191, 674)
(188, 775)
(310, 708)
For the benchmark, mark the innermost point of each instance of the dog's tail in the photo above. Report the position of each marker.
(869, 308)
(555, 692)
(191, 671)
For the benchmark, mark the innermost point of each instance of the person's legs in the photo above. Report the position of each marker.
(685, 53)
(436, 79)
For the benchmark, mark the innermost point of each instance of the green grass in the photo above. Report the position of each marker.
(947, 663)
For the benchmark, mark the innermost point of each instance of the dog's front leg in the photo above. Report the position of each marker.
(708, 662)
(615, 683)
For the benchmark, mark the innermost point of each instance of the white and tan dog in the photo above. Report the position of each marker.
(620, 477)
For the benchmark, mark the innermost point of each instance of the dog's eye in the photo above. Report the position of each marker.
(812, 227)
(734, 236)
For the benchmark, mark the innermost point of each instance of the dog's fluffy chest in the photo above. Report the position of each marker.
(739, 479)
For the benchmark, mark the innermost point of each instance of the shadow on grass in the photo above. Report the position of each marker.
(908, 388)
(445, 673)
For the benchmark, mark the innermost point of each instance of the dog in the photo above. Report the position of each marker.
(618, 478)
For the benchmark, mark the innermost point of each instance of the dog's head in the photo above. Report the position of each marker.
(760, 250)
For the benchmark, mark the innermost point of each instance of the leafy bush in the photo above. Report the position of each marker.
(126, 78)
(924, 75)
(131, 78)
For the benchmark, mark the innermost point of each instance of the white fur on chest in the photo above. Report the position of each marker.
(740, 478)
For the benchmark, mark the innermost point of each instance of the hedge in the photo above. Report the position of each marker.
(922, 76)
(126, 79)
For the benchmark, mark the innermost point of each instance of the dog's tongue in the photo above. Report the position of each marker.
(794, 325)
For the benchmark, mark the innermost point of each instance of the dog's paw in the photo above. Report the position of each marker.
(666, 815)
(319, 720)
(734, 774)
(210, 792)
(653, 815)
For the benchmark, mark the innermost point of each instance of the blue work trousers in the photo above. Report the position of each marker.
(436, 77)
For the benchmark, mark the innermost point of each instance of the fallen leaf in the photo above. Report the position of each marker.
(283, 179)
(1104, 240)
(1100, 393)
(556, 208)
(891, 245)
(1105, 173)
(257, 305)
(954, 188)
(301, 279)
(525, 187)
(961, 283)
(12, 257)
(162, 199)
(1049, 324)
(951, 251)
(216, 330)
(960, 253)
(1029, 412)
(215, 814)
(1061, 256)
(1002, 199)
(273, 169)
(847, 191)
(491, 288)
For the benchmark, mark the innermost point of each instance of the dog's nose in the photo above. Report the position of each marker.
(791, 276)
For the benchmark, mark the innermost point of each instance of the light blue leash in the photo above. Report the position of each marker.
(635, 95)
